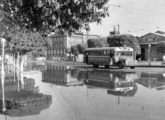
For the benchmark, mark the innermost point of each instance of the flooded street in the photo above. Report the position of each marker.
(63, 93)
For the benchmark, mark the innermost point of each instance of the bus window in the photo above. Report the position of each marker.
(108, 52)
(94, 53)
(104, 52)
(123, 53)
(100, 52)
(118, 54)
(128, 53)
(111, 54)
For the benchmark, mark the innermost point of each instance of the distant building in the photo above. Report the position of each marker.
(148, 44)
(62, 43)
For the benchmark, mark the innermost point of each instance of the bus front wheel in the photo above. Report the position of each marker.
(106, 66)
(132, 67)
(121, 66)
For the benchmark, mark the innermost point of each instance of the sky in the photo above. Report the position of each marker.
(137, 17)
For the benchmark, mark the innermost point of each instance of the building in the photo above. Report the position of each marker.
(61, 43)
(149, 46)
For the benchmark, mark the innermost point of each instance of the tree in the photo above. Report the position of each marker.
(51, 15)
(124, 40)
(80, 49)
(100, 42)
(74, 50)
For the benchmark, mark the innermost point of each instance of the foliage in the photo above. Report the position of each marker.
(80, 48)
(24, 41)
(67, 15)
(124, 40)
(74, 50)
(97, 42)
(7, 23)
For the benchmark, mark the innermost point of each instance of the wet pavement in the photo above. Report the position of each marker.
(51, 92)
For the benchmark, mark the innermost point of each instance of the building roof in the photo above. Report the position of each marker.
(160, 32)
(152, 38)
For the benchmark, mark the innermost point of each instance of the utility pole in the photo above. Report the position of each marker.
(118, 28)
(149, 51)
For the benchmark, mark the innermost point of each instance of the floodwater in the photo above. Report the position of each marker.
(52, 92)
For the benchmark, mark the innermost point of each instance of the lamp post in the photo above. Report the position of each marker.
(149, 51)
(149, 54)
(3, 74)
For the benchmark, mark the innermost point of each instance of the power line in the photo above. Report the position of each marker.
(144, 12)
(131, 2)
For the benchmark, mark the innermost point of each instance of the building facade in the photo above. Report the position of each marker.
(149, 46)
(62, 43)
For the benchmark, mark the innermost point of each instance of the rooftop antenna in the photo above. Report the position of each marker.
(118, 28)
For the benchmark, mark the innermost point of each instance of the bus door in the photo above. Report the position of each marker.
(111, 55)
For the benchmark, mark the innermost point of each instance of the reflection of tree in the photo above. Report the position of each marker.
(29, 103)
(26, 101)
(81, 75)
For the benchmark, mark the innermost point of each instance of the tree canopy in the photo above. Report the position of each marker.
(23, 41)
(100, 42)
(124, 40)
(67, 15)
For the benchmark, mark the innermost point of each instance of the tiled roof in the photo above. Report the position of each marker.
(152, 38)
(160, 32)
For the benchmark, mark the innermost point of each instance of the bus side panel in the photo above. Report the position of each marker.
(99, 60)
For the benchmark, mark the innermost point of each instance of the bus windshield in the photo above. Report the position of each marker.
(124, 53)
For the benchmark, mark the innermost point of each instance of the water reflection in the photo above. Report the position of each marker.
(87, 94)
(22, 101)
(116, 83)
(61, 75)
(152, 80)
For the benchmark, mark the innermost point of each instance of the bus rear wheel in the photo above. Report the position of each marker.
(121, 66)
(132, 67)
(95, 66)
(106, 66)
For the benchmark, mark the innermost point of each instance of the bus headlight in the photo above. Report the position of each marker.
(129, 62)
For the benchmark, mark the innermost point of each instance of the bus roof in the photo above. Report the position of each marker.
(111, 48)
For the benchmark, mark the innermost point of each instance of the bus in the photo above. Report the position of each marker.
(110, 56)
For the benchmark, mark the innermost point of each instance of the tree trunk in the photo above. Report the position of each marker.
(18, 70)
(22, 60)
(14, 60)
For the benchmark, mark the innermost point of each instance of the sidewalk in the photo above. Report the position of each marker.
(139, 63)
(153, 64)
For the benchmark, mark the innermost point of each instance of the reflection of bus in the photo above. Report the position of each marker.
(114, 82)
(108, 56)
